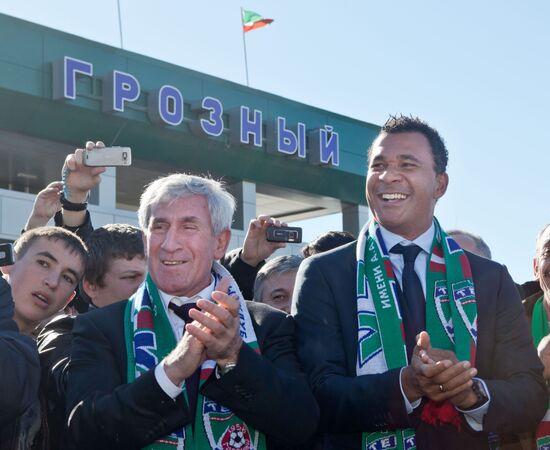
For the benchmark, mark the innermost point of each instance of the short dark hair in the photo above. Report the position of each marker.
(110, 242)
(327, 241)
(70, 240)
(410, 124)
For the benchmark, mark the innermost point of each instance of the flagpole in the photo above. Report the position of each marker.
(119, 23)
(244, 47)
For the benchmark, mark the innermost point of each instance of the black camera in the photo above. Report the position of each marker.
(6, 255)
(284, 234)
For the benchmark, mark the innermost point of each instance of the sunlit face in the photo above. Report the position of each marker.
(43, 281)
(120, 281)
(402, 185)
(542, 263)
(277, 290)
(181, 245)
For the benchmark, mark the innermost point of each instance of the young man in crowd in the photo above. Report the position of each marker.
(49, 262)
(172, 366)
(409, 341)
(19, 371)
(116, 264)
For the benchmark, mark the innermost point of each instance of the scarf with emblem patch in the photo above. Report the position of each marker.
(149, 338)
(539, 329)
(451, 319)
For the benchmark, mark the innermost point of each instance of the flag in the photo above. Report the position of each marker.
(252, 21)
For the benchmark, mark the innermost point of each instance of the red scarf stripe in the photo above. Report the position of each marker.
(473, 352)
(389, 270)
(466, 270)
(145, 319)
(436, 267)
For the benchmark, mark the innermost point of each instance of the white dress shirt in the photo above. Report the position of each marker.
(424, 241)
(178, 327)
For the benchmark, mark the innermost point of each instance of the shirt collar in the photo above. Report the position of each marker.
(205, 293)
(424, 241)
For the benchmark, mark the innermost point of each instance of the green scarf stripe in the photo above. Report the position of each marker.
(450, 312)
(386, 307)
(166, 340)
(215, 426)
(539, 329)
(539, 323)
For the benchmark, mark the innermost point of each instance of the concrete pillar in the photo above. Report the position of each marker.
(354, 217)
(245, 194)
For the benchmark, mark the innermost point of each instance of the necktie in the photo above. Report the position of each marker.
(191, 383)
(182, 311)
(413, 304)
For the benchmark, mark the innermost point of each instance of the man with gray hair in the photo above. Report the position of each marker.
(186, 362)
(274, 283)
(471, 242)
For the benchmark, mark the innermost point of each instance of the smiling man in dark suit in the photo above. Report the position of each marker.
(408, 341)
(186, 363)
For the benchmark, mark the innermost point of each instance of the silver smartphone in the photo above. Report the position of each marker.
(108, 157)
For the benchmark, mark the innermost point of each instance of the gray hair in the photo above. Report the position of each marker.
(221, 203)
(281, 264)
(480, 244)
(541, 243)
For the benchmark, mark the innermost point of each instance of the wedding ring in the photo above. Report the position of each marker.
(441, 388)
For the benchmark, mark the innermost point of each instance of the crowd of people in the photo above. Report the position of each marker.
(404, 337)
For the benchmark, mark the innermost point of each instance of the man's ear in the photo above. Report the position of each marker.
(6, 269)
(222, 242)
(536, 268)
(89, 288)
(442, 184)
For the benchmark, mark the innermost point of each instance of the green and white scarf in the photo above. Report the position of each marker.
(539, 329)
(451, 320)
(149, 338)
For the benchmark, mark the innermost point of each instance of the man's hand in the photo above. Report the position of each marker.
(46, 204)
(256, 248)
(186, 357)
(80, 179)
(216, 326)
(438, 375)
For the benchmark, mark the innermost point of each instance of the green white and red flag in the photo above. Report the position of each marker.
(253, 21)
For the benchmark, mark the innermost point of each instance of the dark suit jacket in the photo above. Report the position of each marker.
(326, 321)
(54, 347)
(244, 274)
(19, 366)
(269, 392)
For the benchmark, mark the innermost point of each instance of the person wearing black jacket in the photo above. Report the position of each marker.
(19, 370)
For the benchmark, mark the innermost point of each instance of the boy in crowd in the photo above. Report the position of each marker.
(49, 262)
(116, 264)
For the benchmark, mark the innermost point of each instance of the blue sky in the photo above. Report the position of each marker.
(477, 71)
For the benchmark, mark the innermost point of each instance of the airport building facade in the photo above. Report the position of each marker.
(278, 157)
